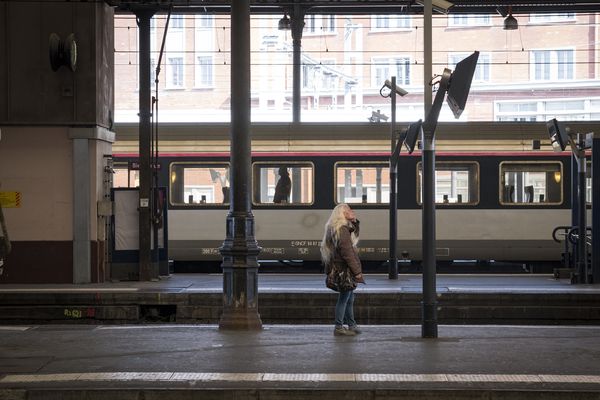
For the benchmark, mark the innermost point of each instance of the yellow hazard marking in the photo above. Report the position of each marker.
(10, 199)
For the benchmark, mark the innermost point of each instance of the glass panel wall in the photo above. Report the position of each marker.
(545, 69)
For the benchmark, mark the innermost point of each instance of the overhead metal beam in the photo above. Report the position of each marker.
(361, 6)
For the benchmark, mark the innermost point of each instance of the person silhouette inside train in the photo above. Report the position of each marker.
(283, 187)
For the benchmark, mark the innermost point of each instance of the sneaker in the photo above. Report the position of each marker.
(343, 332)
(355, 329)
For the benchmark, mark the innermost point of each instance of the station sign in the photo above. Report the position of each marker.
(10, 199)
(135, 166)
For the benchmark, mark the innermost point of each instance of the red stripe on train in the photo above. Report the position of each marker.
(357, 154)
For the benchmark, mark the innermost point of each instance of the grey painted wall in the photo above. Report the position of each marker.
(30, 92)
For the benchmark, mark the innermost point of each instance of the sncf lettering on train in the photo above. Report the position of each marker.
(304, 243)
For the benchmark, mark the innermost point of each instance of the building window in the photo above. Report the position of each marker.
(176, 22)
(552, 65)
(362, 183)
(205, 21)
(319, 24)
(569, 109)
(482, 71)
(289, 183)
(389, 22)
(456, 182)
(557, 17)
(204, 71)
(199, 183)
(534, 182)
(321, 76)
(384, 68)
(175, 72)
(468, 20)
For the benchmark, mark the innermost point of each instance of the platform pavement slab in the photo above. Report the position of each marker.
(544, 359)
(270, 282)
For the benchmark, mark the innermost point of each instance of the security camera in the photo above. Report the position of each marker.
(441, 6)
(399, 90)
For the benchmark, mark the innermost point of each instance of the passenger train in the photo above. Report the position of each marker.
(493, 203)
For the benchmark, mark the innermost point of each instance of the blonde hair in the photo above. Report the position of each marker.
(336, 221)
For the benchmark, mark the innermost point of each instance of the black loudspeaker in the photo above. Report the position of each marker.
(63, 52)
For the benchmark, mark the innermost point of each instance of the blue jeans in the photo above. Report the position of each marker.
(344, 309)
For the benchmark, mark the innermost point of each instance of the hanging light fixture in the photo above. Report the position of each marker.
(510, 22)
(284, 23)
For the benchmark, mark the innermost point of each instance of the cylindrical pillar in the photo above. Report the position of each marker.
(429, 323)
(147, 269)
(240, 249)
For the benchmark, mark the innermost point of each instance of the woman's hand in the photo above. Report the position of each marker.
(359, 278)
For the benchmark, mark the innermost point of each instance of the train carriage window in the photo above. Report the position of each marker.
(124, 176)
(362, 182)
(531, 182)
(456, 182)
(289, 183)
(196, 184)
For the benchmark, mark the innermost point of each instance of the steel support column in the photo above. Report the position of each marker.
(240, 249)
(429, 304)
(297, 22)
(595, 208)
(147, 269)
(429, 323)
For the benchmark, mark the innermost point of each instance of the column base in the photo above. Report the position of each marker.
(241, 321)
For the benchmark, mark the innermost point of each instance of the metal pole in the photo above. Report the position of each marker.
(240, 249)
(429, 304)
(429, 324)
(297, 22)
(146, 268)
(595, 212)
(581, 244)
(393, 268)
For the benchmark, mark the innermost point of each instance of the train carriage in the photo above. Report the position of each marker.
(491, 205)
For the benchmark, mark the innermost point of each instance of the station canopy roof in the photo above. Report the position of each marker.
(342, 7)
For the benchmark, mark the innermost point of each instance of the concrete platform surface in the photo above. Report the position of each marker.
(291, 283)
(298, 361)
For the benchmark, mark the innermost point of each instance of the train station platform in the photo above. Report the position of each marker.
(304, 299)
(176, 361)
(537, 338)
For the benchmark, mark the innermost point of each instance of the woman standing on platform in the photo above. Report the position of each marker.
(338, 250)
